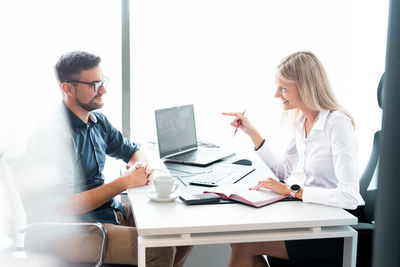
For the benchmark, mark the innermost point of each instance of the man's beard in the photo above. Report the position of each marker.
(91, 105)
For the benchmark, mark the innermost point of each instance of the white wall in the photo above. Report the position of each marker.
(221, 55)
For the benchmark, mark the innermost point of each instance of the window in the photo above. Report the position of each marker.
(34, 35)
(37, 35)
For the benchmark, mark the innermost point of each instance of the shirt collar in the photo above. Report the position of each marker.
(92, 117)
(76, 122)
(319, 124)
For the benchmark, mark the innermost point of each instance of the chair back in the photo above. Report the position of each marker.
(371, 171)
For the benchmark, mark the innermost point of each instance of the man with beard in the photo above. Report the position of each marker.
(92, 137)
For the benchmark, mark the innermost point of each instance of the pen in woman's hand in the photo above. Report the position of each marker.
(239, 122)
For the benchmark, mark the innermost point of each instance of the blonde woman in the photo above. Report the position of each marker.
(325, 140)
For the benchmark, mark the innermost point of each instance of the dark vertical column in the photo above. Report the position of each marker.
(387, 215)
(126, 71)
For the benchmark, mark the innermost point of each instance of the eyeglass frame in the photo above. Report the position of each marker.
(96, 85)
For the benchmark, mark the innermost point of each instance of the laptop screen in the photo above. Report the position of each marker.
(176, 130)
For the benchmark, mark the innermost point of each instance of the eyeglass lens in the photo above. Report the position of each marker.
(99, 84)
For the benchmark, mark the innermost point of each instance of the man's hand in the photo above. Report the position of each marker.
(140, 175)
(139, 160)
(149, 170)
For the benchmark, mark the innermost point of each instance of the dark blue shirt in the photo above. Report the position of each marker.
(92, 142)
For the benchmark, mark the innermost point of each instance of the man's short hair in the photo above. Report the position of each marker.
(70, 65)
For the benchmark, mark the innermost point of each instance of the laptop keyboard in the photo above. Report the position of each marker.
(223, 174)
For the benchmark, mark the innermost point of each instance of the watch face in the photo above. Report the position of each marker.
(295, 187)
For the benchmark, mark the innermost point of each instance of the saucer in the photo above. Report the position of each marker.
(153, 196)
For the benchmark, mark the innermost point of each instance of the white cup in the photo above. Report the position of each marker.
(165, 186)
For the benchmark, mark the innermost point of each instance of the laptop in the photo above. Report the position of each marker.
(177, 140)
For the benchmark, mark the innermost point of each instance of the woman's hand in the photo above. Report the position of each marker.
(245, 126)
(274, 185)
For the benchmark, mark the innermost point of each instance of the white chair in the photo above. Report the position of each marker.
(57, 226)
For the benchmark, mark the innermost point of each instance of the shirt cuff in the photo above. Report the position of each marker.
(262, 143)
(316, 195)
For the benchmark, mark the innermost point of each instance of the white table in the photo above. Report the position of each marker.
(176, 224)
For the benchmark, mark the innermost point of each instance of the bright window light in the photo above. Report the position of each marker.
(220, 55)
(34, 34)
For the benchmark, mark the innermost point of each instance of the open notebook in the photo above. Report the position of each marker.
(242, 194)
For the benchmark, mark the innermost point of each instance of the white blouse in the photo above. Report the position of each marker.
(329, 155)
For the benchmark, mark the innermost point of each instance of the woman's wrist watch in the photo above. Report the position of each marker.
(294, 189)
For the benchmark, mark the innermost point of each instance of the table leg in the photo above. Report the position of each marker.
(141, 253)
(350, 250)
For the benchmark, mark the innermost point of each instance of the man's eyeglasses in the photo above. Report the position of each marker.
(96, 85)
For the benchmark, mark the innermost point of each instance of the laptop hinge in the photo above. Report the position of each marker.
(180, 152)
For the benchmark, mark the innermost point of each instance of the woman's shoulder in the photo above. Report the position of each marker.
(338, 115)
(337, 118)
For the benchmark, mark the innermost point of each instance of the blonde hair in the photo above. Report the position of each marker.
(307, 72)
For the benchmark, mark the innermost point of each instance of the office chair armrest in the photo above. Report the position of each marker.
(124, 197)
(75, 224)
(364, 226)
